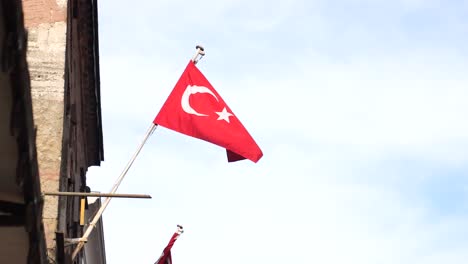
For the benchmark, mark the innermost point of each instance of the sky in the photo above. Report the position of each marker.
(359, 107)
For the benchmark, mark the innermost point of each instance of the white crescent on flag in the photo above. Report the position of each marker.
(185, 100)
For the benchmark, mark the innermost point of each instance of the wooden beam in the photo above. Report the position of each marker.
(115, 195)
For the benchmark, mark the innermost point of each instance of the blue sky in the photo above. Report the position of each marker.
(359, 107)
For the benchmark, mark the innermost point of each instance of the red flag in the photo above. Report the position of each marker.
(166, 257)
(194, 108)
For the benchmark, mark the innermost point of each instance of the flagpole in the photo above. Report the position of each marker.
(200, 52)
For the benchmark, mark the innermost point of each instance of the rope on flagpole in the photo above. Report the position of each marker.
(200, 51)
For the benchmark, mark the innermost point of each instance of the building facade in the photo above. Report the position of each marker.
(21, 230)
(94, 250)
(63, 58)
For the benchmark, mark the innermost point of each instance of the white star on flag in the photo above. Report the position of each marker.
(224, 115)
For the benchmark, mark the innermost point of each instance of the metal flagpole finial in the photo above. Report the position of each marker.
(180, 229)
(200, 51)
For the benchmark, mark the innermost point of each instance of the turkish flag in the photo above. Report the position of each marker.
(194, 108)
(166, 257)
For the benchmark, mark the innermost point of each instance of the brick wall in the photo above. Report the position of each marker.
(38, 12)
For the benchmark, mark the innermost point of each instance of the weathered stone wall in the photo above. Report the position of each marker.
(45, 21)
